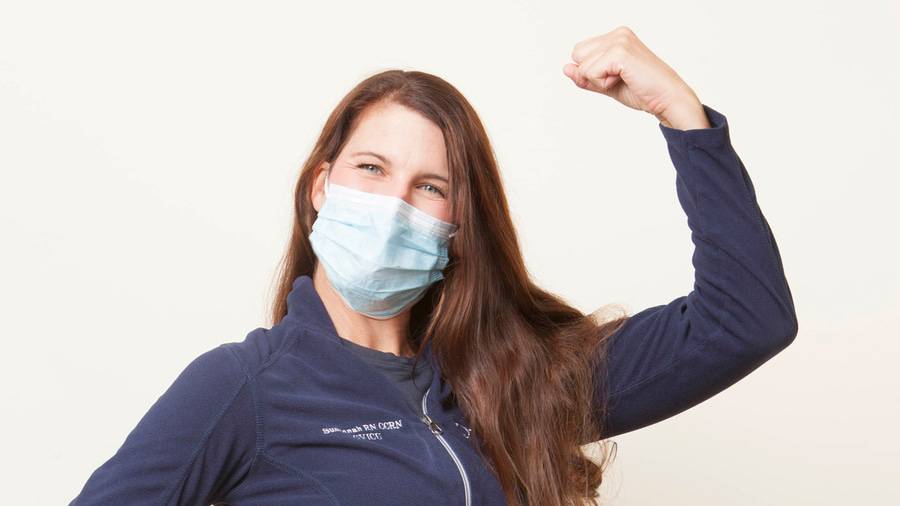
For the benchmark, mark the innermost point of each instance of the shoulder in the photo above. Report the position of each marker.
(216, 374)
(260, 347)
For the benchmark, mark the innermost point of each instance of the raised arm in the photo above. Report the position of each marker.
(190, 447)
(740, 313)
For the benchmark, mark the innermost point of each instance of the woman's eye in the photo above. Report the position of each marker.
(437, 190)
(434, 189)
(364, 165)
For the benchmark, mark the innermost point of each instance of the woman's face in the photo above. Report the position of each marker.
(394, 151)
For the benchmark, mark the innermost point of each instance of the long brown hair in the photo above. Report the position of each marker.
(520, 360)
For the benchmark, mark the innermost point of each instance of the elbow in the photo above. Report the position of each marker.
(792, 329)
(782, 334)
(788, 335)
(789, 326)
(769, 327)
(782, 324)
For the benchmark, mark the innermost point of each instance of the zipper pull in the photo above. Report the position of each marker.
(435, 428)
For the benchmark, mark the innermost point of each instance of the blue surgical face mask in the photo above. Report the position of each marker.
(380, 253)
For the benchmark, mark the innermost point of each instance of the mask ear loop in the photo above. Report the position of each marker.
(327, 180)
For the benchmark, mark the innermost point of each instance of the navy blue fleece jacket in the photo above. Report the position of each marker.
(291, 416)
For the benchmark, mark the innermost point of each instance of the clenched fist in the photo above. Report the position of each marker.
(619, 65)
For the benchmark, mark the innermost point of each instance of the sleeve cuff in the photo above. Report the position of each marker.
(716, 135)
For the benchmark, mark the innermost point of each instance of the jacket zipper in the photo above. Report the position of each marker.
(437, 431)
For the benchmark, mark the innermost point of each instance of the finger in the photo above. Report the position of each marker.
(578, 77)
(569, 70)
(610, 81)
(583, 76)
(604, 70)
(585, 48)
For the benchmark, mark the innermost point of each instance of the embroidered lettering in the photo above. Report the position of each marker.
(367, 431)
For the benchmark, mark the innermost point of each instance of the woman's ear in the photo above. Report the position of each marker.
(318, 187)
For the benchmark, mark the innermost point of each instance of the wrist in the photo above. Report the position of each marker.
(685, 114)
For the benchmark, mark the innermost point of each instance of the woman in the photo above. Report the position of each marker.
(411, 359)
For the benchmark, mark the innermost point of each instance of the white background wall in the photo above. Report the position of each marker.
(148, 155)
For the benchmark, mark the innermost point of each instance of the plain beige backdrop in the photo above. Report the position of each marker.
(149, 151)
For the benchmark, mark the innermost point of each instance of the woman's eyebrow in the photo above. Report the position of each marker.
(372, 153)
(385, 159)
(432, 175)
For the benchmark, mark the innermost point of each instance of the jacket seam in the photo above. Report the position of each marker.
(277, 354)
(301, 330)
(749, 194)
(206, 436)
(257, 411)
(251, 380)
(701, 342)
(244, 480)
(300, 474)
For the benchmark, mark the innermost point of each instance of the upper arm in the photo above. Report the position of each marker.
(196, 441)
(669, 358)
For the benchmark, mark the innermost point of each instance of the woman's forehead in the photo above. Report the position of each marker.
(401, 137)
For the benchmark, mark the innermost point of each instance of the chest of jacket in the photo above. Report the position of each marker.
(334, 430)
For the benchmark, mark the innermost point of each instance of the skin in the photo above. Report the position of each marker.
(616, 64)
(416, 160)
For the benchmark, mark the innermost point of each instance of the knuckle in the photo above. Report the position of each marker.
(621, 52)
(625, 37)
(623, 44)
(578, 52)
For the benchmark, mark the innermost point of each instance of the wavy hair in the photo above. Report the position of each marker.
(511, 351)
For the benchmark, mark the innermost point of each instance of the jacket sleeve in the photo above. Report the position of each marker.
(194, 444)
(740, 313)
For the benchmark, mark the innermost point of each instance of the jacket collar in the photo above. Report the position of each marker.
(306, 309)
(305, 306)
